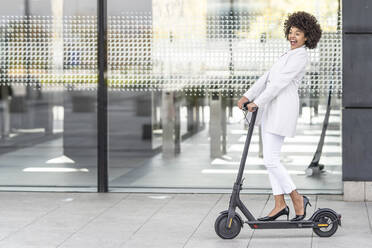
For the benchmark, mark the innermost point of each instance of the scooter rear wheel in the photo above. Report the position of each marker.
(224, 232)
(329, 219)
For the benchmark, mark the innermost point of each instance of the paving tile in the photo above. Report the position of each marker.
(55, 226)
(205, 236)
(174, 223)
(119, 223)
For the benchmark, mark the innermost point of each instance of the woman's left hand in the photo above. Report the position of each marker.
(252, 107)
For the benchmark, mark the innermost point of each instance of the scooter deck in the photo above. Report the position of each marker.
(281, 224)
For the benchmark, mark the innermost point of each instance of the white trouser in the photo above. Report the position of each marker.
(281, 182)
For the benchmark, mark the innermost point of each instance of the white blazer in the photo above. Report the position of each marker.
(276, 93)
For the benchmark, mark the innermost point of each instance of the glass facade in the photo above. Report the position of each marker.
(175, 72)
(48, 127)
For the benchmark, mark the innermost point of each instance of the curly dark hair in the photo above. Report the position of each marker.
(308, 24)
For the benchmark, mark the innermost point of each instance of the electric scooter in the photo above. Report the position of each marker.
(315, 168)
(324, 221)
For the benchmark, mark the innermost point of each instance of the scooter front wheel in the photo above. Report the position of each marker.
(224, 232)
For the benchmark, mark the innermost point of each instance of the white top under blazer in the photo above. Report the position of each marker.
(276, 93)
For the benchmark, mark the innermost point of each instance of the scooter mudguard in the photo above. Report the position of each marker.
(322, 210)
(240, 218)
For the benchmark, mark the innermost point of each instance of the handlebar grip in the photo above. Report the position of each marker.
(245, 106)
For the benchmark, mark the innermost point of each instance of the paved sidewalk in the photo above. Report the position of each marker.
(160, 220)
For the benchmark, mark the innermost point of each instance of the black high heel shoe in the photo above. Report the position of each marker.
(284, 211)
(301, 217)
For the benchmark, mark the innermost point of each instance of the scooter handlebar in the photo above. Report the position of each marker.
(244, 108)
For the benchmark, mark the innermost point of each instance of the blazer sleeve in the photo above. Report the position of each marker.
(294, 65)
(257, 87)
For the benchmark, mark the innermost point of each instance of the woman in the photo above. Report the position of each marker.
(276, 96)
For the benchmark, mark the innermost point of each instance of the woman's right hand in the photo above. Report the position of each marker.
(242, 101)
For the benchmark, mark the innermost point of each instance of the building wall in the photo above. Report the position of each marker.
(357, 100)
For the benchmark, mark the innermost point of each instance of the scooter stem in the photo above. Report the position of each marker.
(238, 183)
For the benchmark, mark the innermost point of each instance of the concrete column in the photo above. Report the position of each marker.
(203, 115)
(190, 116)
(4, 113)
(202, 101)
(193, 114)
(197, 117)
(57, 60)
(177, 126)
(170, 125)
(217, 126)
(224, 124)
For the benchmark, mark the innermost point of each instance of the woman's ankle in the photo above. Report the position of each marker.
(280, 205)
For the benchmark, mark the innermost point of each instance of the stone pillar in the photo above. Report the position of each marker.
(217, 126)
(224, 123)
(190, 105)
(4, 112)
(193, 104)
(170, 125)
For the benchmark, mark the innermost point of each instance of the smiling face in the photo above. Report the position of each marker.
(296, 37)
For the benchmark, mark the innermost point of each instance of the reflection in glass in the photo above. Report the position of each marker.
(201, 56)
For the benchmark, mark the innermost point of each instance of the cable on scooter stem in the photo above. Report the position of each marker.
(247, 142)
